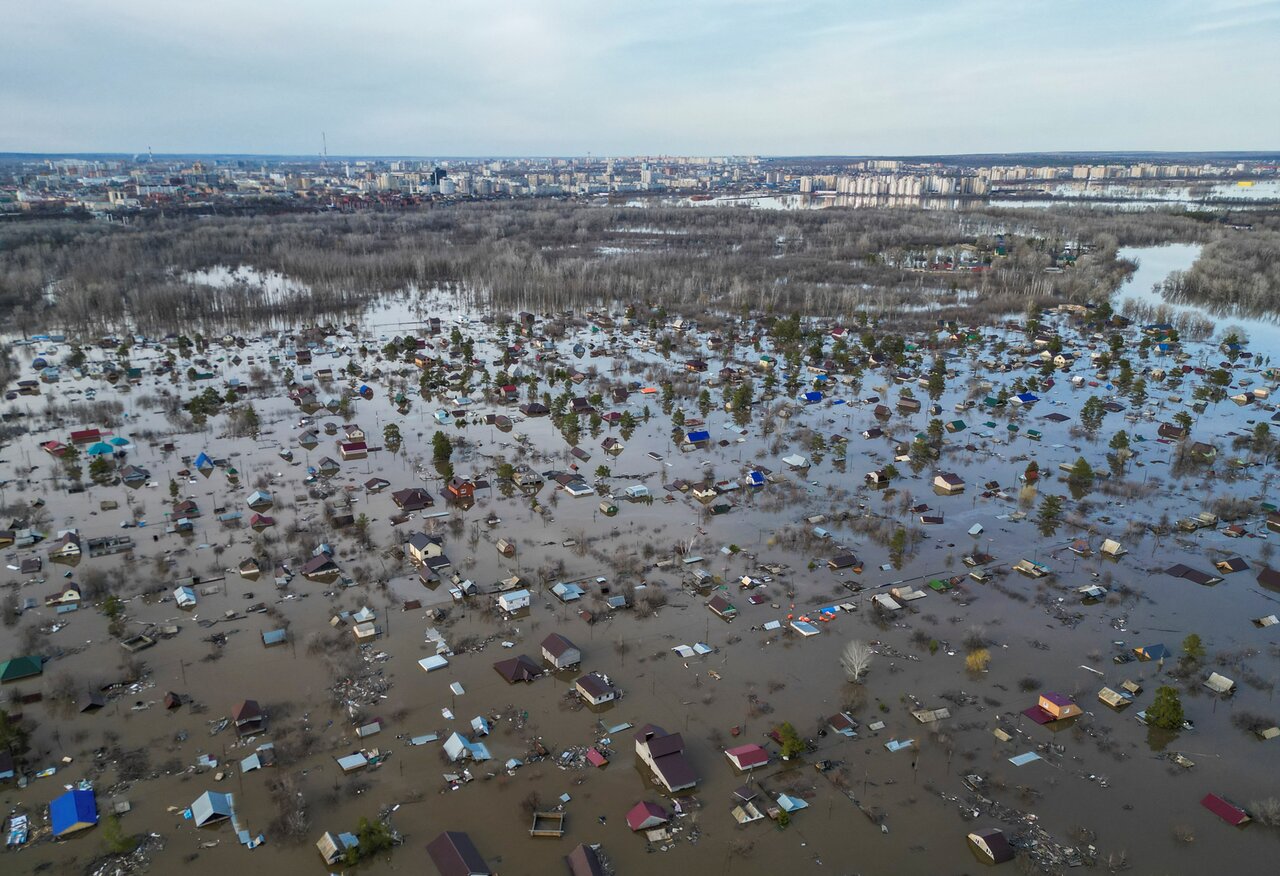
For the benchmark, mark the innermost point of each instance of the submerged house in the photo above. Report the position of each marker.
(414, 498)
(248, 718)
(211, 808)
(458, 747)
(514, 600)
(949, 482)
(66, 546)
(992, 845)
(319, 566)
(646, 815)
(21, 667)
(454, 854)
(560, 652)
(585, 860)
(75, 810)
(421, 547)
(722, 607)
(747, 757)
(1057, 707)
(596, 689)
(521, 668)
(663, 753)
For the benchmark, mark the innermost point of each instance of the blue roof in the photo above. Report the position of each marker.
(698, 436)
(210, 806)
(203, 460)
(813, 396)
(1027, 398)
(74, 810)
(568, 592)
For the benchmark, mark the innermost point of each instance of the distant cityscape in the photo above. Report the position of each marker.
(106, 186)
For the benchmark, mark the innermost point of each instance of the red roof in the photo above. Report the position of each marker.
(645, 814)
(748, 756)
(1230, 814)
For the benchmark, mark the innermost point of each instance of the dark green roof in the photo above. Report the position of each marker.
(21, 667)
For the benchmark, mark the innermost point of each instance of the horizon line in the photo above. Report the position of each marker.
(1238, 153)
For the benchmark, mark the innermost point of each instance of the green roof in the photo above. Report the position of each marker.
(21, 667)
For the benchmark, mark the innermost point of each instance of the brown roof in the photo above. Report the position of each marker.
(675, 769)
(319, 563)
(454, 854)
(412, 498)
(593, 685)
(557, 645)
(659, 741)
(584, 861)
(518, 669)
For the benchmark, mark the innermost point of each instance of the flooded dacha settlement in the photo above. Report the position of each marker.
(641, 536)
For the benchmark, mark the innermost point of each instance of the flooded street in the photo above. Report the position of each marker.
(1103, 783)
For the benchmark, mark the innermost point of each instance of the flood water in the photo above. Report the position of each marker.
(1105, 775)
(1156, 263)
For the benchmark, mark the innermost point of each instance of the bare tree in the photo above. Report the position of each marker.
(856, 659)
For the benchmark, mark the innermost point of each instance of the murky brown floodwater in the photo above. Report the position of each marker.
(1134, 809)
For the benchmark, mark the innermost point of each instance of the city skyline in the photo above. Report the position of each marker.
(716, 78)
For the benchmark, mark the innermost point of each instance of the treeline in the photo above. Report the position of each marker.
(544, 256)
(1237, 274)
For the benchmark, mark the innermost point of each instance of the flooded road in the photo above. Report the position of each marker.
(1103, 782)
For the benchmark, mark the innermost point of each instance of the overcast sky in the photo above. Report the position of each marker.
(570, 77)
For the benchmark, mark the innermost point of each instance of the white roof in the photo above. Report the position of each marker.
(884, 600)
(1219, 683)
(432, 663)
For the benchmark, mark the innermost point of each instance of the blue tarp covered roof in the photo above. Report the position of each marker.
(74, 810)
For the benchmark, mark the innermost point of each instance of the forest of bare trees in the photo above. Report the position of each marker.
(548, 255)
(1236, 274)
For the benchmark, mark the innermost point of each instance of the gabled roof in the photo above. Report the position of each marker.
(748, 756)
(318, 563)
(593, 685)
(1227, 812)
(210, 807)
(454, 854)
(645, 814)
(659, 741)
(557, 645)
(249, 710)
(584, 860)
